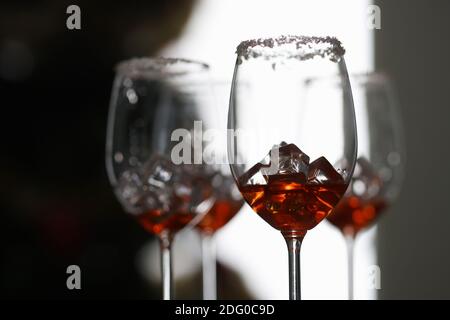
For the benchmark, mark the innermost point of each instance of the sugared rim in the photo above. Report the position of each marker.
(160, 66)
(290, 46)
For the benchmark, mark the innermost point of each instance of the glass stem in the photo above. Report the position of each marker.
(350, 242)
(209, 267)
(165, 243)
(294, 242)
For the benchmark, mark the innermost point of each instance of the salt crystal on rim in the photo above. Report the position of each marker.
(298, 47)
(160, 65)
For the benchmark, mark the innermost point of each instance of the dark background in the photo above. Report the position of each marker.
(413, 47)
(56, 204)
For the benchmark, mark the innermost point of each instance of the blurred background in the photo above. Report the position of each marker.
(58, 208)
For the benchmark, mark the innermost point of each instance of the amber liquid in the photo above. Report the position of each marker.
(155, 222)
(221, 212)
(354, 213)
(159, 220)
(289, 205)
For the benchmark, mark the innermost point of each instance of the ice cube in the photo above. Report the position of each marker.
(254, 175)
(343, 167)
(154, 199)
(321, 171)
(158, 172)
(159, 175)
(290, 159)
(164, 186)
(282, 159)
(193, 183)
(129, 188)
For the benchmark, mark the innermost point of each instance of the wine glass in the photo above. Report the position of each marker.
(228, 200)
(154, 147)
(291, 150)
(379, 165)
